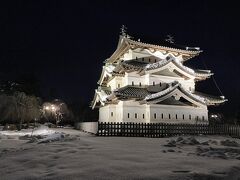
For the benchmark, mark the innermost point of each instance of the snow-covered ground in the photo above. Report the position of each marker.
(71, 154)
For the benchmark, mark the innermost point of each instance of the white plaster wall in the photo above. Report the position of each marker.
(117, 82)
(148, 79)
(119, 113)
(128, 55)
(135, 111)
(111, 113)
(104, 114)
(112, 84)
(179, 111)
(187, 84)
(133, 54)
(136, 78)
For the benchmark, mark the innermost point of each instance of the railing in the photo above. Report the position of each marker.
(157, 130)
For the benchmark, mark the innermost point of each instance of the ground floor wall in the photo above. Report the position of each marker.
(132, 111)
(90, 127)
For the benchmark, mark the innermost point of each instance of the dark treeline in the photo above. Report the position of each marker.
(21, 100)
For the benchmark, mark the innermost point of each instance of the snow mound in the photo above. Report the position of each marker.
(189, 141)
(182, 141)
(57, 136)
(224, 153)
(41, 130)
(171, 143)
(229, 143)
(52, 138)
(223, 149)
(212, 142)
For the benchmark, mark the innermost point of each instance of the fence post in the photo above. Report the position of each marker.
(98, 129)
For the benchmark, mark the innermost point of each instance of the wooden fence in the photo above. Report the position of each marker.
(156, 130)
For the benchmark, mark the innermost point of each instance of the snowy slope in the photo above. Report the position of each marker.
(89, 157)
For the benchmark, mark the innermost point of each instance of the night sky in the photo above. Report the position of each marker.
(64, 43)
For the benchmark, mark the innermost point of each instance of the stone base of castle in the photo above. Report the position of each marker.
(132, 111)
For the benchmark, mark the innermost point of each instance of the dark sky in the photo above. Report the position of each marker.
(65, 42)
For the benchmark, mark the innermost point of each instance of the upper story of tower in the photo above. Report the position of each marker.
(143, 66)
(128, 49)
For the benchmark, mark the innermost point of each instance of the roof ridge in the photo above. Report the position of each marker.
(134, 41)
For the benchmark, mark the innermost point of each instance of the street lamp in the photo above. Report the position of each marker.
(54, 109)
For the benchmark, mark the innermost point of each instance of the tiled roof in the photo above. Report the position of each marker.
(131, 91)
(202, 73)
(135, 63)
(211, 99)
(145, 95)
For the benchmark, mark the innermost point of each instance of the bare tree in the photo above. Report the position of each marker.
(28, 108)
(19, 108)
(8, 108)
